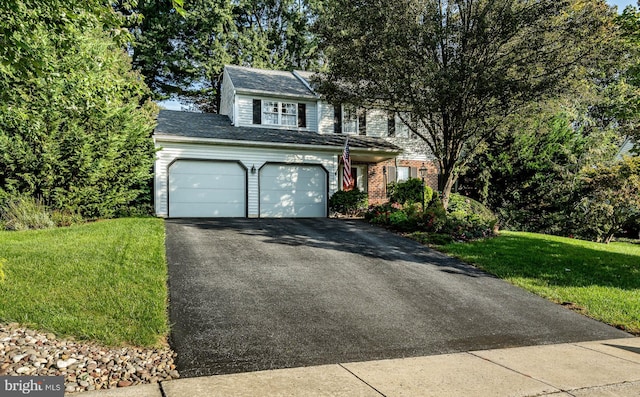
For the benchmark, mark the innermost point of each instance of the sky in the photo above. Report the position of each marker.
(174, 105)
(622, 3)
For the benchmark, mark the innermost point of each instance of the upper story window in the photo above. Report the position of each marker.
(402, 129)
(350, 120)
(279, 113)
(272, 112)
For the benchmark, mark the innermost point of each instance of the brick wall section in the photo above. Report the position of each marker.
(377, 182)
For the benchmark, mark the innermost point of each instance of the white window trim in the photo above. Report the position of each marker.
(266, 111)
(344, 123)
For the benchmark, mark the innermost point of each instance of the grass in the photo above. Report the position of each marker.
(598, 280)
(103, 281)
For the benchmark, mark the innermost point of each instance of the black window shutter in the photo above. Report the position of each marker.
(362, 122)
(257, 111)
(391, 124)
(391, 174)
(337, 119)
(302, 115)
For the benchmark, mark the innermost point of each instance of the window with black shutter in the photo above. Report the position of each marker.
(257, 111)
(302, 115)
(391, 124)
(362, 122)
(337, 119)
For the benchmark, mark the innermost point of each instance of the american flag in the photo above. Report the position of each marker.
(347, 179)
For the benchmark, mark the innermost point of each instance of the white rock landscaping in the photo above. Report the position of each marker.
(85, 366)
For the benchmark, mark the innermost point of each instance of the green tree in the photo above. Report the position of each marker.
(624, 92)
(610, 198)
(75, 120)
(183, 55)
(529, 173)
(460, 67)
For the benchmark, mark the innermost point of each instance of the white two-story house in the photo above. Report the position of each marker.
(275, 151)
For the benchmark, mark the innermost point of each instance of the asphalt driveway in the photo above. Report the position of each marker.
(256, 294)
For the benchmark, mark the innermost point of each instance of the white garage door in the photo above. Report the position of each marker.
(207, 189)
(293, 191)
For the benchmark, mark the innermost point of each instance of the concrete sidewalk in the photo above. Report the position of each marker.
(600, 368)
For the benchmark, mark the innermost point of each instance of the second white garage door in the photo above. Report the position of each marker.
(293, 191)
(207, 189)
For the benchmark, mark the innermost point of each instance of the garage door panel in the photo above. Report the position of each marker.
(207, 196)
(205, 210)
(292, 191)
(207, 189)
(206, 181)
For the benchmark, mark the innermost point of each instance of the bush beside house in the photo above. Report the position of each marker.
(465, 219)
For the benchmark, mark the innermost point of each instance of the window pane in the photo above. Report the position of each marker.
(402, 130)
(289, 120)
(349, 120)
(289, 108)
(403, 173)
(269, 112)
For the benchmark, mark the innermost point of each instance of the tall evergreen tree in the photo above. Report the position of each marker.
(75, 120)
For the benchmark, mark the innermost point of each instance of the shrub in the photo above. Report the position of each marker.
(23, 213)
(467, 220)
(66, 218)
(351, 202)
(409, 192)
(610, 198)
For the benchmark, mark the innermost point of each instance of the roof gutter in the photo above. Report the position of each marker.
(276, 94)
(269, 145)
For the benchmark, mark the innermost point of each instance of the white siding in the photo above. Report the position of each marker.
(245, 113)
(248, 156)
(412, 149)
(377, 123)
(325, 113)
(227, 98)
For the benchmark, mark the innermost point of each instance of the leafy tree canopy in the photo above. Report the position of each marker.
(460, 67)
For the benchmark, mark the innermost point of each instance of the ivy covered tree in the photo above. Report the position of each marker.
(459, 67)
(75, 120)
(182, 56)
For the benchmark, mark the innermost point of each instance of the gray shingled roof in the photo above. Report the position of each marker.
(215, 126)
(267, 82)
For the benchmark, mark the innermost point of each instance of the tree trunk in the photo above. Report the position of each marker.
(447, 181)
(609, 236)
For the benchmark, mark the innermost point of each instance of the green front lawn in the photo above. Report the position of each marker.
(103, 281)
(601, 281)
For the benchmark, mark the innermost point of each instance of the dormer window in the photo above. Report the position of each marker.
(277, 113)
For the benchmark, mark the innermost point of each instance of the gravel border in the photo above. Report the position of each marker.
(84, 365)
